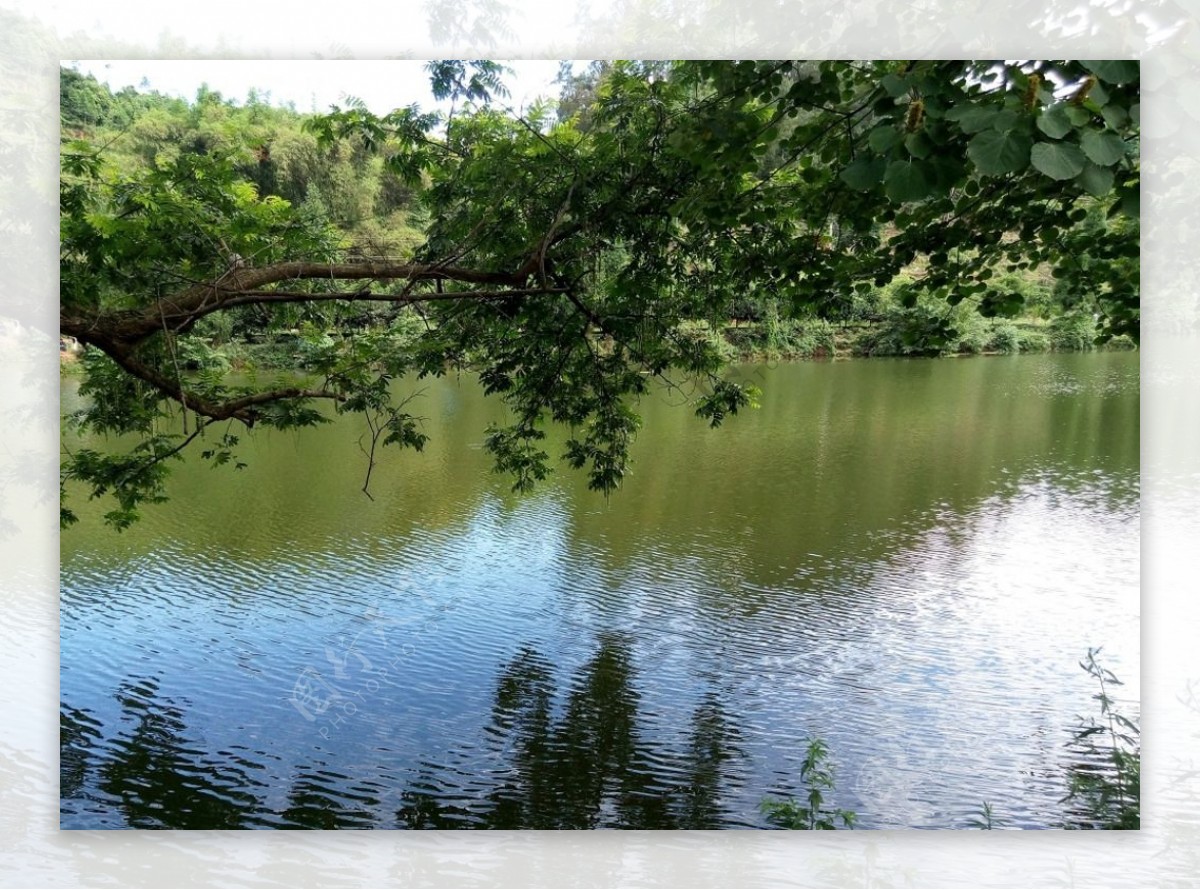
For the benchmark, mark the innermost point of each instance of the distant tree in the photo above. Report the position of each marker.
(83, 101)
(577, 91)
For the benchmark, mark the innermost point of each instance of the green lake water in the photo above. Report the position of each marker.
(907, 558)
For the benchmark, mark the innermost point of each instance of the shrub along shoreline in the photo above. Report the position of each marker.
(911, 333)
(904, 332)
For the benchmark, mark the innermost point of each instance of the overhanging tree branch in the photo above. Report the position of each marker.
(122, 329)
(242, 408)
(270, 296)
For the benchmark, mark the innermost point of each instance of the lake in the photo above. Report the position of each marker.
(905, 558)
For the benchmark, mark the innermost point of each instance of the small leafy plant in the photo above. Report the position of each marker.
(984, 818)
(1105, 784)
(812, 815)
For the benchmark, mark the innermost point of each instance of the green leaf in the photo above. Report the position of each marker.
(1078, 116)
(1114, 71)
(1007, 305)
(1115, 116)
(1131, 201)
(995, 153)
(918, 144)
(972, 119)
(1054, 122)
(895, 85)
(1058, 160)
(864, 174)
(906, 181)
(947, 172)
(1005, 120)
(1096, 181)
(1102, 147)
(884, 139)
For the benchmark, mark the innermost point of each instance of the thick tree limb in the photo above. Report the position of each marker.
(238, 287)
(260, 297)
(119, 333)
(241, 408)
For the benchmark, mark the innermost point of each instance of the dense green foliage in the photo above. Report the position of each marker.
(569, 258)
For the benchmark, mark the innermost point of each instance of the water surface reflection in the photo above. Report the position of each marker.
(906, 558)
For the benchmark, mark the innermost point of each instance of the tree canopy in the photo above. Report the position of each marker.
(562, 252)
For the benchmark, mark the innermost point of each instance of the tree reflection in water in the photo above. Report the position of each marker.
(78, 733)
(162, 781)
(327, 799)
(579, 763)
(589, 768)
(151, 774)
